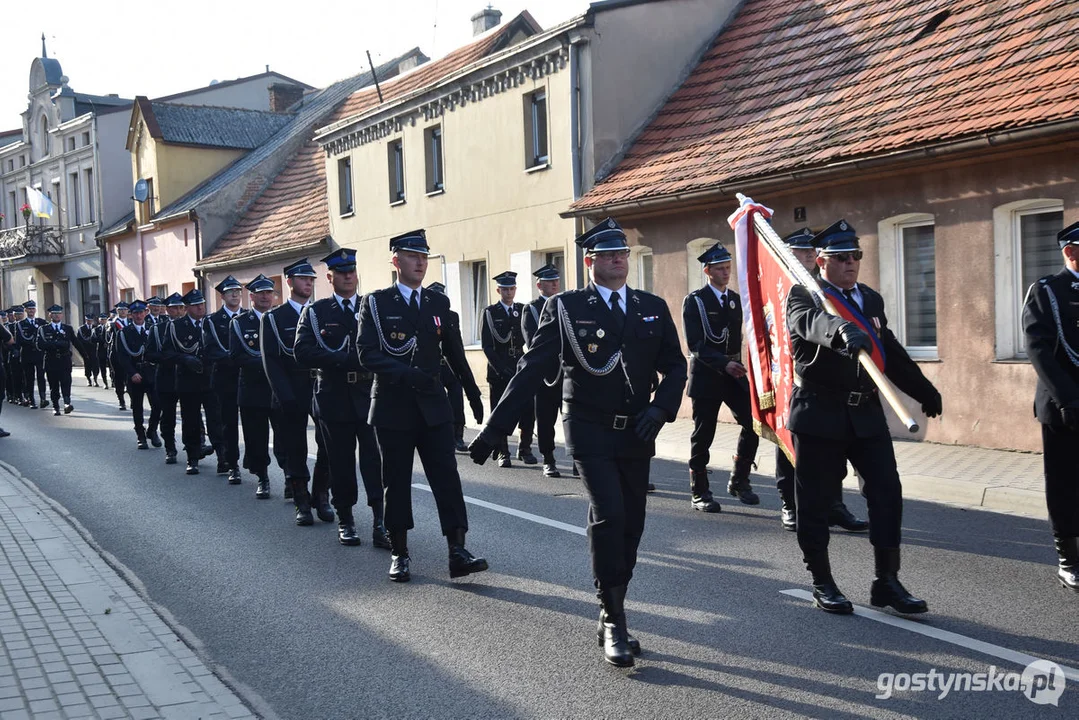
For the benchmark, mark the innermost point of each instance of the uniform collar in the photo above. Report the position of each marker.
(352, 301)
(507, 308)
(296, 306)
(720, 295)
(605, 293)
(406, 293)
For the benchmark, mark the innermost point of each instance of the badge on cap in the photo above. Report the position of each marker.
(842, 225)
(612, 224)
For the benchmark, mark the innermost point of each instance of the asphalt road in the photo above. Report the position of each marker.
(308, 628)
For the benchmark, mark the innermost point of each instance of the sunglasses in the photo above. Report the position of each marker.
(845, 256)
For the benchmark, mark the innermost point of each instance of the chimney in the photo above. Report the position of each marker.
(283, 96)
(485, 19)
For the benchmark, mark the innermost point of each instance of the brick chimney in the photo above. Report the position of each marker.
(485, 19)
(283, 96)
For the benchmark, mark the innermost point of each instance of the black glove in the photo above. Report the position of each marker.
(476, 403)
(649, 422)
(854, 339)
(481, 448)
(1070, 416)
(933, 406)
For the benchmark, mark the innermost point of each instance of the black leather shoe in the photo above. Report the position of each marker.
(155, 439)
(222, 466)
(288, 491)
(525, 455)
(615, 637)
(234, 476)
(706, 503)
(651, 487)
(399, 568)
(89, 382)
(45, 404)
(262, 492)
(68, 408)
(577, 474)
(550, 469)
(346, 533)
(1067, 562)
(122, 408)
(4, 433)
(744, 493)
(634, 643)
(788, 518)
(324, 510)
(192, 467)
(460, 445)
(303, 516)
(380, 538)
(844, 518)
(462, 562)
(827, 597)
(886, 590)
(170, 457)
(57, 412)
(207, 451)
(142, 445)
(504, 460)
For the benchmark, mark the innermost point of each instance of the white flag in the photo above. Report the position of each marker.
(41, 205)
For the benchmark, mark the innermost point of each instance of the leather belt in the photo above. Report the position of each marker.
(611, 420)
(853, 398)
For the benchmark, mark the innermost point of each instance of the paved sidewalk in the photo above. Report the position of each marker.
(998, 480)
(77, 640)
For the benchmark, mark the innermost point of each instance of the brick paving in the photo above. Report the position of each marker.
(77, 640)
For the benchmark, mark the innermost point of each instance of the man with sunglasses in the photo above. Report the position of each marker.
(836, 415)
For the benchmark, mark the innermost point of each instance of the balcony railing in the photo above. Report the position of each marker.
(37, 242)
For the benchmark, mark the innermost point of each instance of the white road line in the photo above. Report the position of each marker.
(944, 635)
(516, 513)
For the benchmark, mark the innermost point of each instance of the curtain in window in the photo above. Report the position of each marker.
(920, 286)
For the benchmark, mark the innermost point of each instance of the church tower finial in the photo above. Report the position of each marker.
(43, 53)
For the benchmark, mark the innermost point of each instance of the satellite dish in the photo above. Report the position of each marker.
(142, 190)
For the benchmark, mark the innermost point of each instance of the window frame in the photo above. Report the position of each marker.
(74, 199)
(395, 160)
(477, 299)
(899, 322)
(345, 201)
(537, 143)
(434, 160)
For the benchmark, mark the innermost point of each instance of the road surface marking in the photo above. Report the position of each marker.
(516, 513)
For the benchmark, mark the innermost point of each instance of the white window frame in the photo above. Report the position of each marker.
(1008, 272)
(436, 172)
(890, 236)
(471, 306)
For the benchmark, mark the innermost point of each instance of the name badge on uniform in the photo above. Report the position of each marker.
(650, 318)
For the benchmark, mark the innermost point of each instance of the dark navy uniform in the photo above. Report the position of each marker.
(131, 350)
(193, 372)
(836, 415)
(55, 340)
(254, 396)
(6, 341)
(224, 381)
(504, 344)
(610, 353)
(402, 341)
(14, 358)
(84, 337)
(549, 395)
(325, 340)
(1051, 330)
(712, 321)
(159, 352)
(5, 379)
(454, 391)
(32, 359)
(119, 384)
(101, 347)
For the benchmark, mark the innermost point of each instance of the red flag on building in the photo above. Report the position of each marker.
(765, 284)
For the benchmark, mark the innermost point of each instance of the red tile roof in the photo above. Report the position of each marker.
(293, 212)
(795, 84)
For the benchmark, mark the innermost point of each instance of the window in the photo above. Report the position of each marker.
(73, 199)
(186, 288)
(344, 185)
(71, 143)
(396, 158)
(86, 138)
(89, 174)
(14, 214)
(127, 294)
(475, 300)
(162, 291)
(1025, 249)
(22, 161)
(432, 140)
(150, 198)
(11, 165)
(643, 275)
(558, 259)
(536, 129)
(90, 295)
(917, 263)
(54, 195)
(45, 139)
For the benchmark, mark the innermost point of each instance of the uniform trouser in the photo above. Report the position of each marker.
(59, 375)
(256, 427)
(166, 402)
(89, 366)
(705, 418)
(227, 418)
(320, 478)
(528, 416)
(103, 366)
(136, 392)
(16, 377)
(32, 369)
(3, 383)
(435, 445)
(821, 465)
(617, 495)
(119, 382)
(191, 403)
(548, 401)
(278, 448)
(11, 370)
(341, 439)
(1061, 480)
(290, 439)
(155, 409)
(784, 474)
(454, 392)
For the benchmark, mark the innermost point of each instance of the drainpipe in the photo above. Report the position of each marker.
(575, 144)
(201, 276)
(103, 248)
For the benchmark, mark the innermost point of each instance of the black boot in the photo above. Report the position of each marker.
(287, 493)
(192, 466)
(262, 492)
(235, 478)
(634, 643)
(616, 648)
(462, 562)
(68, 407)
(1068, 568)
(738, 485)
(141, 435)
(524, 451)
(322, 507)
(379, 537)
(302, 500)
(170, 455)
(399, 560)
(840, 516)
(346, 530)
(550, 468)
(459, 443)
(504, 454)
(886, 590)
(155, 439)
(701, 496)
(788, 516)
(826, 594)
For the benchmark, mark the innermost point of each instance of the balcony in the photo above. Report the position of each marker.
(34, 244)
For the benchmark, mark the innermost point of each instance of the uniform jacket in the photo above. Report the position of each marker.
(183, 343)
(394, 338)
(245, 353)
(55, 347)
(1051, 328)
(292, 385)
(714, 338)
(84, 341)
(131, 350)
(501, 339)
(101, 340)
(578, 329)
(26, 338)
(326, 340)
(215, 340)
(821, 407)
(163, 359)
